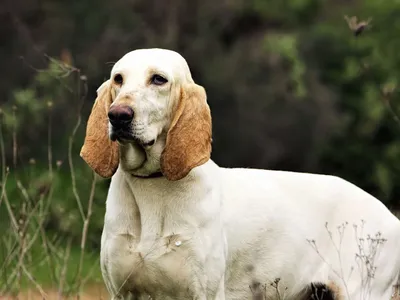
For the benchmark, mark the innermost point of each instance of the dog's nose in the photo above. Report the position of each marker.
(120, 116)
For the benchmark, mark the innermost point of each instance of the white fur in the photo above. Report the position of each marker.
(217, 231)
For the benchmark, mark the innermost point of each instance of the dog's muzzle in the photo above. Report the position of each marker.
(120, 117)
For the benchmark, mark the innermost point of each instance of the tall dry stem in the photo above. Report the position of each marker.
(70, 144)
(3, 153)
(85, 232)
(14, 137)
(49, 149)
(63, 274)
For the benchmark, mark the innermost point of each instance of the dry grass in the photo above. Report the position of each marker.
(92, 292)
(25, 244)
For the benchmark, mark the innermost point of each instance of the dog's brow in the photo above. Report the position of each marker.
(153, 71)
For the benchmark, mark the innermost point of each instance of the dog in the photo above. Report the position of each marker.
(178, 226)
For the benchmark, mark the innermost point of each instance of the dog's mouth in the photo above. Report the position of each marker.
(120, 135)
(125, 136)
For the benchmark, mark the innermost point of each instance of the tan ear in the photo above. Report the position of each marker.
(99, 152)
(188, 142)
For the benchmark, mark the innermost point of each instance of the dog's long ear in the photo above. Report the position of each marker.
(99, 152)
(188, 142)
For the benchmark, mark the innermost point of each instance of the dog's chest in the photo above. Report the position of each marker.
(154, 264)
(157, 234)
(155, 255)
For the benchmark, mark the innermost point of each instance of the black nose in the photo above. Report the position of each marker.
(120, 116)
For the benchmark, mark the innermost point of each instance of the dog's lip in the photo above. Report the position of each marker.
(123, 136)
(120, 134)
(148, 144)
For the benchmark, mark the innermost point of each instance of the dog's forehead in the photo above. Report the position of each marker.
(143, 59)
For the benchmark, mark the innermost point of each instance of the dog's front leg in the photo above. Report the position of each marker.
(215, 267)
(221, 290)
(210, 285)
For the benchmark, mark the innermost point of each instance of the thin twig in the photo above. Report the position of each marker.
(71, 165)
(3, 153)
(10, 213)
(393, 113)
(3, 187)
(85, 232)
(22, 244)
(64, 269)
(49, 150)
(9, 250)
(14, 137)
(45, 241)
(58, 78)
(90, 272)
(31, 278)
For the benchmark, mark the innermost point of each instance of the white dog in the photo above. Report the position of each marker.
(178, 226)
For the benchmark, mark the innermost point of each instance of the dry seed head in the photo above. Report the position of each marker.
(357, 27)
(58, 163)
(388, 89)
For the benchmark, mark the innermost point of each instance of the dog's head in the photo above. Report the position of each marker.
(150, 104)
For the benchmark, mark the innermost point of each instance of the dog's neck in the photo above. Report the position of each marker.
(141, 161)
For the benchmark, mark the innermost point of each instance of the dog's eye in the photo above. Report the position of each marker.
(118, 79)
(158, 80)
